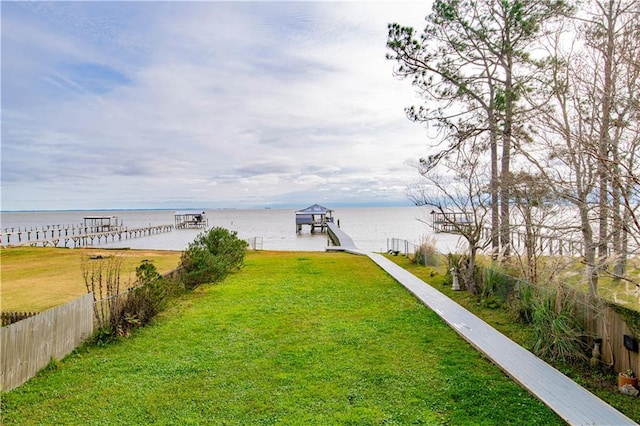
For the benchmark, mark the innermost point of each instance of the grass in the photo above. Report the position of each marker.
(600, 383)
(313, 339)
(35, 278)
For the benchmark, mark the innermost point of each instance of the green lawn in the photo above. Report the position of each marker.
(294, 338)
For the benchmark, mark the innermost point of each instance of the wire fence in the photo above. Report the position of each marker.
(254, 243)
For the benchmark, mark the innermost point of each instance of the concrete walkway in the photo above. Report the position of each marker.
(573, 403)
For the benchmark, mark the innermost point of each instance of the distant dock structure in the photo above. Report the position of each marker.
(88, 233)
(316, 216)
(451, 222)
(95, 224)
(187, 219)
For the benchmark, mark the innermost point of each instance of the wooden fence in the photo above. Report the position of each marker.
(602, 320)
(28, 345)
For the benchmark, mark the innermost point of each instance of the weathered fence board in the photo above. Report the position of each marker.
(605, 322)
(28, 345)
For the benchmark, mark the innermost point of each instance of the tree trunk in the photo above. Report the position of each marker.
(603, 136)
(530, 246)
(616, 216)
(505, 187)
(495, 210)
(467, 271)
(591, 269)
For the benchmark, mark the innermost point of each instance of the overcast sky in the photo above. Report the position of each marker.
(204, 104)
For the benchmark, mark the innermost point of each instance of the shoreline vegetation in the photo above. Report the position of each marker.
(296, 277)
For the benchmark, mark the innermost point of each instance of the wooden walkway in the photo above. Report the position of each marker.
(570, 401)
(573, 403)
(342, 241)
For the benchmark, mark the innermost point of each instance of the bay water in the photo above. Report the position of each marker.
(273, 229)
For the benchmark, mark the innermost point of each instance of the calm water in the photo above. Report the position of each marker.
(368, 227)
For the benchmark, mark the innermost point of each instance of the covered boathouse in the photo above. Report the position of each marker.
(316, 216)
(190, 219)
(95, 224)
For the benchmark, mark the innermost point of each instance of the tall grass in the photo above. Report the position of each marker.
(556, 331)
(102, 278)
(426, 253)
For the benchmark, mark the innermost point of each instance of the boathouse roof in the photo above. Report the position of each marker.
(315, 209)
(188, 212)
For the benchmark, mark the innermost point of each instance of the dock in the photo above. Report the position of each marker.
(570, 401)
(461, 222)
(72, 236)
(451, 222)
(316, 216)
(186, 219)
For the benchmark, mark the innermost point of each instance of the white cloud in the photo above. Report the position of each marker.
(219, 104)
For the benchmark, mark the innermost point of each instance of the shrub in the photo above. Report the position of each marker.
(521, 303)
(152, 285)
(557, 334)
(497, 285)
(142, 303)
(211, 257)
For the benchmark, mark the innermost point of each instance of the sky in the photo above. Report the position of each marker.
(127, 105)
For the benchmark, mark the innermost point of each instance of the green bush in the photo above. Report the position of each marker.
(521, 303)
(211, 257)
(151, 284)
(497, 286)
(142, 303)
(556, 332)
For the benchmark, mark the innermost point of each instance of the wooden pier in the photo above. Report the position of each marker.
(341, 241)
(79, 236)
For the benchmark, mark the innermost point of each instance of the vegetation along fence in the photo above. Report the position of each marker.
(614, 324)
(29, 345)
(617, 327)
(601, 321)
(11, 317)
